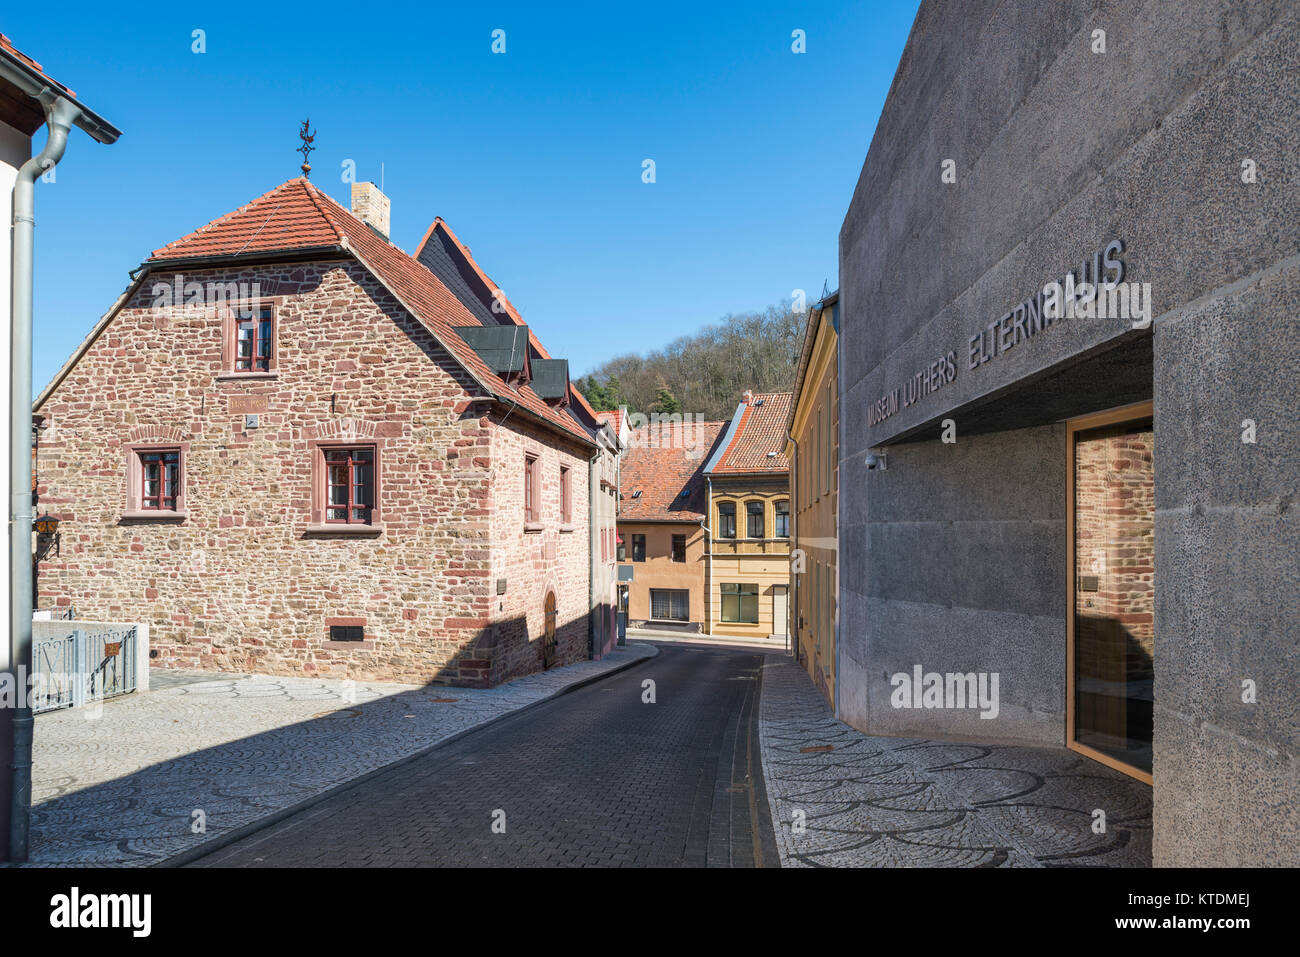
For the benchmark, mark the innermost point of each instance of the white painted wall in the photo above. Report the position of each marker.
(15, 149)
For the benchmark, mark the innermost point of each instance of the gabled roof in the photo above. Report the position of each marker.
(288, 217)
(756, 442)
(816, 315)
(297, 218)
(664, 470)
(443, 254)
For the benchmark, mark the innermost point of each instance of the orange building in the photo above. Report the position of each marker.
(661, 524)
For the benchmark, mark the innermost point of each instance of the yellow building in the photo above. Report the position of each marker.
(748, 547)
(813, 446)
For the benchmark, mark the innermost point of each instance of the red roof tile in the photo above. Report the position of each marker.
(663, 471)
(7, 45)
(20, 106)
(613, 416)
(297, 216)
(761, 431)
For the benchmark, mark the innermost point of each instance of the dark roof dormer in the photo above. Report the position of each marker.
(551, 380)
(503, 348)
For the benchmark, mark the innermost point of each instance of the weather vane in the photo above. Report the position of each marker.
(306, 148)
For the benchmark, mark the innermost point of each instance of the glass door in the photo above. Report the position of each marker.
(1111, 624)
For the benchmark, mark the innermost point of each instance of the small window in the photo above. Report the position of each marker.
(679, 548)
(638, 548)
(566, 503)
(739, 602)
(726, 520)
(670, 604)
(160, 479)
(753, 519)
(532, 511)
(782, 519)
(621, 550)
(347, 633)
(349, 485)
(254, 336)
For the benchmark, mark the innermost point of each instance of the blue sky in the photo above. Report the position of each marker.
(534, 157)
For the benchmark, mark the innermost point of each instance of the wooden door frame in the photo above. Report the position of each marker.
(1084, 423)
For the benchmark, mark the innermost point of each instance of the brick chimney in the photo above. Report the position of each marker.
(371, 207)
(747, 398)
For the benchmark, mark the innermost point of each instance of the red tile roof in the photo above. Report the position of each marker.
(663, 471)
(7, 45)
(613, 416)
(23, 111)
(297, 216)
(761, 431)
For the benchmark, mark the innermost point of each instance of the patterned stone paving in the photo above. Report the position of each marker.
(894, 802)
(120, 787)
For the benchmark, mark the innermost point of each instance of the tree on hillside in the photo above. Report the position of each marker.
(603, 398)
(707, 372)
(665, 402)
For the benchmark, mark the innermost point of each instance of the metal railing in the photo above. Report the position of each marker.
(82, 665)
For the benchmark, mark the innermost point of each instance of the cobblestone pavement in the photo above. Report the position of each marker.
(122, 787)
(594, 778)
(892, 802)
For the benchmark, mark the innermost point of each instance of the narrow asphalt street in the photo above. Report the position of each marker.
(596, 777)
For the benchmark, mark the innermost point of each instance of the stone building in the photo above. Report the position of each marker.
(1068, 457)
(442, 252)
(813, 429)
(293, 449)
(748, 550)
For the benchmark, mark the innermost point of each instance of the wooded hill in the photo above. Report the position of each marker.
(706, 372)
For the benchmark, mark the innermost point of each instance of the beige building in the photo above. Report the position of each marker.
(813, 445)
(748, 558)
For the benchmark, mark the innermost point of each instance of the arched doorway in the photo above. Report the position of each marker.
(548, 640)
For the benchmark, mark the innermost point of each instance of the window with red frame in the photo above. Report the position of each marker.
(349, 485)
(160, 476)
(531, 511)
(254, 333)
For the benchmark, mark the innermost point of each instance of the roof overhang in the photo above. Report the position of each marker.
(33, 83)
(304, 254)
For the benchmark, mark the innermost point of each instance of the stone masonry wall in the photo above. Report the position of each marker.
(552, 556)
(240, 584)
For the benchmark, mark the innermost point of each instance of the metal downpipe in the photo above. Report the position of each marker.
(60, 114)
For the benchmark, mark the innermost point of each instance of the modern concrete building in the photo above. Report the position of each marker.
(1099, 511)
